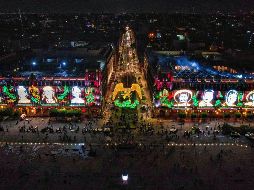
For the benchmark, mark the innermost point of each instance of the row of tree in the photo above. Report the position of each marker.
(183, 115)
(9, 112)
(65, 113)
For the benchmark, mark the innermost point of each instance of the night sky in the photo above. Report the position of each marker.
(118, 6)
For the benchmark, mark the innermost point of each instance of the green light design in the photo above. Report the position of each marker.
(7, 92)
(217, 103)
(35, 100)
(240, 100)
(165, 101)
(126, 104)
(157, 96)
(90, 98)
(89, 95)
(64, 94)
(195, 100)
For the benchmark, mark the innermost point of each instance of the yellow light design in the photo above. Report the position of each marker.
(127, 91)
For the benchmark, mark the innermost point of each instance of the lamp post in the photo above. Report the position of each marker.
(125, 178)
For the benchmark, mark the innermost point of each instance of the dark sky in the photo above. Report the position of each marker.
(118, 6)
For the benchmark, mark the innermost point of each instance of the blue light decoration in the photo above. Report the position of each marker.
(34, 63)
(185, 62)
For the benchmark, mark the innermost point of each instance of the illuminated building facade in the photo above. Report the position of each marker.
(58, 79)
(179, 83)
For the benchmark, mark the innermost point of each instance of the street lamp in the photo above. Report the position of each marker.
(125, 178)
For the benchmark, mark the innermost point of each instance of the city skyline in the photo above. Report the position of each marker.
(121, 6)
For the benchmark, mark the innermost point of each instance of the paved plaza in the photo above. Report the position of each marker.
(169, 167)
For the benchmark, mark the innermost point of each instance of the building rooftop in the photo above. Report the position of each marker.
(60, 62)
(183, 66)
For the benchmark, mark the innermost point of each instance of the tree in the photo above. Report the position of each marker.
(204, 115)
(182, 115)
(226, 115)
(193, 115)
(238, 115)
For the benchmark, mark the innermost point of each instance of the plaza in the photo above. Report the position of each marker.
(119, 115)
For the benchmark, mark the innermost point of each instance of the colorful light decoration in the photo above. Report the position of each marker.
(12, 97)
(127, 95)
(35, 95)
(217, 103)
(195, 100)
(164, 98)
(48, 95)
(1, 99)
(23, 95)
(219, 95)
(127, 91)
(250, 99)
(165, 101)
(240, 99)
(126, 104)
(90, 95)
(90, 98)
(231, 98)
(207, 98)
(66, 92)
(183, 97)
(77, 95)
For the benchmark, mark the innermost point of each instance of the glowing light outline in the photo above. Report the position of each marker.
(247, 97)
(226, 97)
(181, 91)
